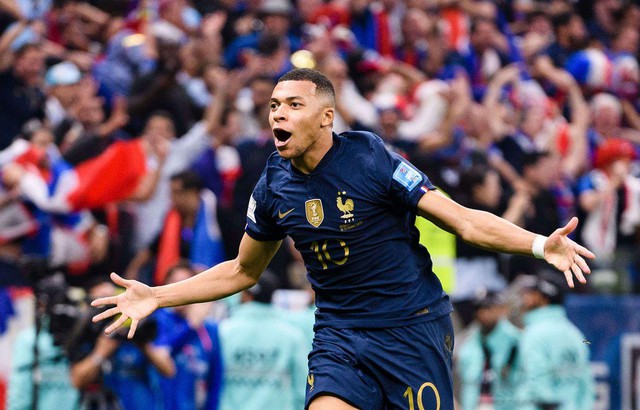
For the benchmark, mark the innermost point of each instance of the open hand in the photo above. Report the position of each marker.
(566, 255)
(136, 302)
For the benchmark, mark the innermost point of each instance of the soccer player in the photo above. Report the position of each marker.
(384, 337)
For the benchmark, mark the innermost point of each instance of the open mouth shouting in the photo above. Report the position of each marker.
(282, 136)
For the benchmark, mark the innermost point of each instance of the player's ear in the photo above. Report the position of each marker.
(327, 117)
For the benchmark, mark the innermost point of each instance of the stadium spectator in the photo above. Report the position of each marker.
(112, 372)
(171, 155)
(265, 374)
(488, 358)
(190, 231)
(40, 376)
(159, 89)
(194, 345)
(554, 358)
(21, 95)
(476, 268)
(608, 198)
(274, 30)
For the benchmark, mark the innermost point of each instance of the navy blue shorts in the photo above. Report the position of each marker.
(392, 368)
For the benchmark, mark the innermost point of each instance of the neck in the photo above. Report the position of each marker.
(308, 161)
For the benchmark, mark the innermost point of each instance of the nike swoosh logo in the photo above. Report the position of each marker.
(283, 214)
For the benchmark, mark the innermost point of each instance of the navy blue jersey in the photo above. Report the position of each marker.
(352, 219)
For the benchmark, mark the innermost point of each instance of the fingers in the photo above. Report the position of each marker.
(585, 252)
(578, 273)
(569, 277)
(132, 329)
(582, 264)
(569, 227)
(106, 314)
(118, 280)
(119, 322)
(109, 300)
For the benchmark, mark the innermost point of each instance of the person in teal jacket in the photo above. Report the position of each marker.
(264, 356)
(487, 359)
(55, 391)
(554, 354)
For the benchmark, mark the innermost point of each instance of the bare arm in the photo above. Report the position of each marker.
(160, 358)
(227, 278)
(630, 114)
(493, 233)
(576, 159)
(87, 370)
(6, 55)
(11, 8)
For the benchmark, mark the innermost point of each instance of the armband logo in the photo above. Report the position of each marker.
(407, 176)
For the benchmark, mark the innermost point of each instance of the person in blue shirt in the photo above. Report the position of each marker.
(194, 345)
(383, 335)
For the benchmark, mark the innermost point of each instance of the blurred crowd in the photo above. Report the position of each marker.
(132, 133)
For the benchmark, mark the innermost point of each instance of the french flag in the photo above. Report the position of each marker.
(110, 177)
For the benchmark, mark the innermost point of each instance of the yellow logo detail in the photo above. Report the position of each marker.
(283, 214)
(315, 213)
(346, 207)
(448, 343)
(310, 380)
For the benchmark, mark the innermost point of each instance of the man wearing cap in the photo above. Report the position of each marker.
(609, 198)
(487, 360)
(553, 352)
(264, 355)
(275, 20)
(62, 82)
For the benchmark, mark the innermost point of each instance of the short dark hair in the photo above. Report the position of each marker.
(323, 84)
(531, 159)
(189, 180)
(562, 20)
(182, 264)
(262, 291)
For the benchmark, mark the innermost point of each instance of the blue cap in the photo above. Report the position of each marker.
(65, 73)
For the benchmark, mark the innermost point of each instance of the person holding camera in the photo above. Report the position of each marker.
(39, 376)
(112, 372)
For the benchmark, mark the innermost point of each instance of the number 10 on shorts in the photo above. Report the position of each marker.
(409, 395)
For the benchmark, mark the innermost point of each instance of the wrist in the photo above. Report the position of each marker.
(537, 247)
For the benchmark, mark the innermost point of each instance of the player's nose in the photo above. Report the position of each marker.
(279, 114)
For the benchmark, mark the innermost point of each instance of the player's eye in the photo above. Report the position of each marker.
(273, 106)
(296, 105)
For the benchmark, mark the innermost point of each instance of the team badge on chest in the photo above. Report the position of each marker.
(315, 213)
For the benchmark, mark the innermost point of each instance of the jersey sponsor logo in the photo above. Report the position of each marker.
(314, 212)
(345, 206)
(407, 176)
(283, 214)
(448, 343)
(310, 380)
(251, 209)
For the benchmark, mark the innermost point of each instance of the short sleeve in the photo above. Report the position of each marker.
(401, 180)
(261, 225)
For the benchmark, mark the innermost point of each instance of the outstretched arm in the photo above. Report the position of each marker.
(139, 300)
(491, 232)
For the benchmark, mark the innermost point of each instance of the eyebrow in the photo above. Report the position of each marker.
(295, 97)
